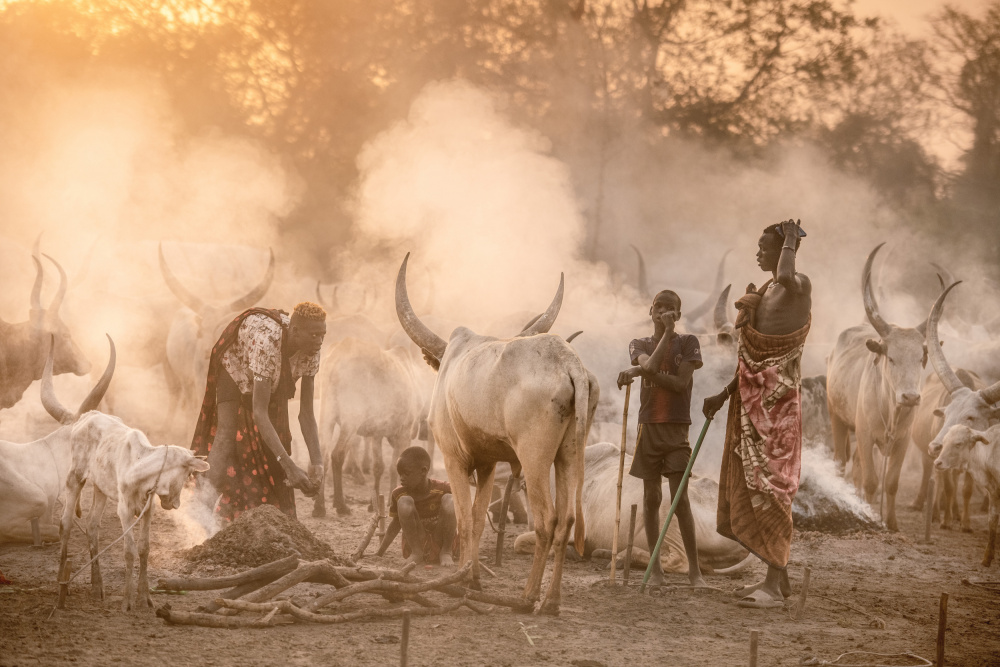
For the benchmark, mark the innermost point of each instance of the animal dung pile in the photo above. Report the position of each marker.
(258, 536)
(815, 511)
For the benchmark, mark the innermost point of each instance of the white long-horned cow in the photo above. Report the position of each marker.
(195, 330)
(371, 393)
(959, 401)
(977, 452)
(122, 465)
(873, 389)
(526, 400)
(33, 475)
(23, 345)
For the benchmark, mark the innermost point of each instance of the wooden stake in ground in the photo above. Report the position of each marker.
(802, 598)
(502, 530)
(36, 533)
(931, 500)
(381, 517)
(404, 644)
(754, 636)
(618, 500)
(66, 573)
(628, 549)
(942, 624)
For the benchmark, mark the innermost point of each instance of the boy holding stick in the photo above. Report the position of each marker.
(666, 362)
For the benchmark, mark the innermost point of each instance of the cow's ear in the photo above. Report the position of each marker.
(876, 346)
(196, 464)
(980, 438)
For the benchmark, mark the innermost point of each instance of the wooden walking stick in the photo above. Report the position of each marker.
(673, 506)
(618, 500)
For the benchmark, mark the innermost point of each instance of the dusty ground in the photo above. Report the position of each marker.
(891, 577)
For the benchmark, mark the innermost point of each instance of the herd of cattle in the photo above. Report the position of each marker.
(523, 397)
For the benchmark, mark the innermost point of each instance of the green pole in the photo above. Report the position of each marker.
(673, 505)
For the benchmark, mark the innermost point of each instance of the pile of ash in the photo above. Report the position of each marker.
(826, 502)
(259, 536)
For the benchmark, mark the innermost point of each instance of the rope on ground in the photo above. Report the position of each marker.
(814, 661)
(873, 620)
(988, 585)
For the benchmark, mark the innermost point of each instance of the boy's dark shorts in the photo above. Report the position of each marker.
(663, 449)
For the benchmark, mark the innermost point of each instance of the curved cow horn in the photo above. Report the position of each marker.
(702, 308)
(943, 274)
(331, 305)
(934, 351)
(991, 394)
(569, 338)
(721, 314)
(531, 322)
(414, 328)
(871, 306)
(258, 292)
(184, 296)
(57, 300)
(643, 282)
(48, 394)
(548, 318)
(37, 312)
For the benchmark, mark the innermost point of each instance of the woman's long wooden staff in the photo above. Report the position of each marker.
(618, 501)
(673, 506)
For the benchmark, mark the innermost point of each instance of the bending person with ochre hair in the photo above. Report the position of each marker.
(243, 426)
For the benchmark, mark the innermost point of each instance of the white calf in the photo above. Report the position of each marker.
(122, 465)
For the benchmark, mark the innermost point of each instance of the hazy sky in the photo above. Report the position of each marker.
(912, 14)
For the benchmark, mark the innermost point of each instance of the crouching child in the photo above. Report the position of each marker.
(422, 508)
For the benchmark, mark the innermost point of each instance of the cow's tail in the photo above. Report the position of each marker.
(581, 408)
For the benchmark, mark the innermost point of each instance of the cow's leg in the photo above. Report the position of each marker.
(991, 541)
(398, 442)
(143, 599)
(484, 486)
(73, 488)
(319, 500)
(946, 496)
(841, 434)
(928, 468)
(865, 473)
(956, 511)
(94, 541)
(896, 456)
(967, 489)
(337, 457)
(22, 502)
(126, 516)
(566, 476)
(539, 497)
(458, 475)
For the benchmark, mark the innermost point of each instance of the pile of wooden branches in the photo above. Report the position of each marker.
(254, 592)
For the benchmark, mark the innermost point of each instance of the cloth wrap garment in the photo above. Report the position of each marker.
(762, 455)
(254, 477)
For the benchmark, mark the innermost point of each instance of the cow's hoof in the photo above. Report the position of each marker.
(475, 585)
(987, 562)
(319, 512)
(549, 608)
(344, 510)
(892, 527)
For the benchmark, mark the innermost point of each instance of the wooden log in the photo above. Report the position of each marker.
(628, 549)
(237, 592)
(754, 638)
(802, 598)
(487, 569)
(286, 607)
(942, 625)
(213, 620)
(369, 532)
(296, 576)
(502, 530)
(404, 644)
(519, 605)
(381, 585)
(36, 533)
(279, 567)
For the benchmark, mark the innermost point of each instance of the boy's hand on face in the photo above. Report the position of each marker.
(627, 375)
(669, 319)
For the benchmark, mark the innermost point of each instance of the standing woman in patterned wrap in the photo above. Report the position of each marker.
(243, 425)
